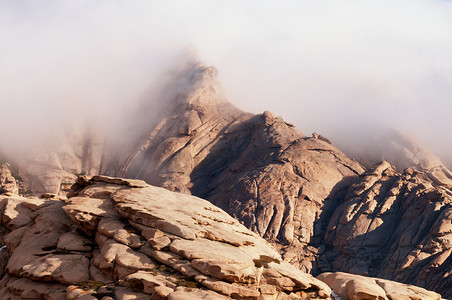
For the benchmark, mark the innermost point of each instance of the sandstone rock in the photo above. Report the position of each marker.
(349, 286)
(91, 248)
(288, 188)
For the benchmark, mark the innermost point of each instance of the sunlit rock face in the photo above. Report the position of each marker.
(125, 239)
(349, 286)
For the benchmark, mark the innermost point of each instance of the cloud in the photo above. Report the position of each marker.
(327, 66)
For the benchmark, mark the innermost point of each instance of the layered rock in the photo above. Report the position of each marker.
(126, 240)
(395, 226)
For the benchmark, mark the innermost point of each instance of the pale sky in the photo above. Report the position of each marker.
(335, 67)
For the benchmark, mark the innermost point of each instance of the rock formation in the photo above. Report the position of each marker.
(348, 286)
(8, 183)
(395, 226)
(124, 239)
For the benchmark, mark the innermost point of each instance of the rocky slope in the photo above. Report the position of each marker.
(396, 226)
(123, 239)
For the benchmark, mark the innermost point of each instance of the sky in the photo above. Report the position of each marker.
(340, 68)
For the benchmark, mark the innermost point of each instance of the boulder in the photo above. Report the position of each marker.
(356, 287)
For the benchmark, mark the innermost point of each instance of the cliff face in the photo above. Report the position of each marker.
(54, 167)
(122, 239)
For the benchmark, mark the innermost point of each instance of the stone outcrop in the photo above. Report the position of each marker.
(356, 287)
(395, 226)
(8, 184)
(124, 239)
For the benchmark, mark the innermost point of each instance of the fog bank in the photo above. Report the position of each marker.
(338, 68)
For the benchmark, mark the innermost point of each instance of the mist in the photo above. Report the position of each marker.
(343, 69)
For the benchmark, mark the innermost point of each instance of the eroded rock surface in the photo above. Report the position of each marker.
(126, 240)
(395, 226)
(356, 287)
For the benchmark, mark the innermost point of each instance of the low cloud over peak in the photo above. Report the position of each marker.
(336, 68)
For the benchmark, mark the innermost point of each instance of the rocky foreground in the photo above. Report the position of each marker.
(123, 239)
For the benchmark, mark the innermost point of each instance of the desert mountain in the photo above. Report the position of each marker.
(322, 210)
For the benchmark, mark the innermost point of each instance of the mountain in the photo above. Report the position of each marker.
(321, 209)
(259, 168)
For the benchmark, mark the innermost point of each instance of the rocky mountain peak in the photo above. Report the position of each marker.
(197, 84)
